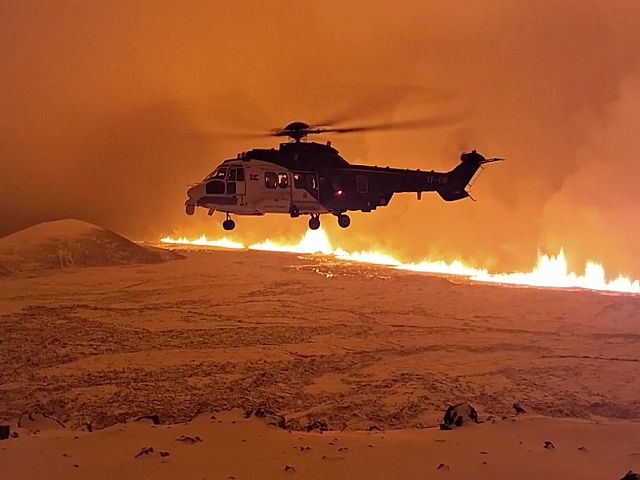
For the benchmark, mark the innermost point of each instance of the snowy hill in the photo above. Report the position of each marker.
(70, 243)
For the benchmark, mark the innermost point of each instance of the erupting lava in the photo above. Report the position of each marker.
(550, 271)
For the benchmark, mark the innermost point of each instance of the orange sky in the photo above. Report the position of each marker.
(107, 107)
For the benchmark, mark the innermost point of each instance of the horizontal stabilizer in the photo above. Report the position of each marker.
(451, 196)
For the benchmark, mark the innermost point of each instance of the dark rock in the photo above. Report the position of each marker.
(443, 466)
(155, 419)
(518, 408)
(150, 452)
(631, 476)
(144, 451)
(549, 445)
(289, 468)
(14, 435)
(189, 440)
(458, 415)
(317, 425)
(269, 416)
(5, 431)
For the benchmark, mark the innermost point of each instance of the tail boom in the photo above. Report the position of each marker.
(458, 179)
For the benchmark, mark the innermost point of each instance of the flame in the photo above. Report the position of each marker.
(204, 242)
(549, 271)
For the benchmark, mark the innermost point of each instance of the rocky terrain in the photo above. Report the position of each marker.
(311, 344)
(71, 243)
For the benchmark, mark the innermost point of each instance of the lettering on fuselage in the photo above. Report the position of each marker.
(441, 179)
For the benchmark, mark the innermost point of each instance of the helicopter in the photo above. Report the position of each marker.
(310, 178)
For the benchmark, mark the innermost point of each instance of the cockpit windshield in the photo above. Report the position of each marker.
(217, 174)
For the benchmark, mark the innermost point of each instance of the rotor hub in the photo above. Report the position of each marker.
(295, 130)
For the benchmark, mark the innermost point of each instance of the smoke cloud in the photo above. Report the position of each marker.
(111, 109)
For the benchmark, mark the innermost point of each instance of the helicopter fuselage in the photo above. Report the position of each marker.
(256, 187)
(307, 178)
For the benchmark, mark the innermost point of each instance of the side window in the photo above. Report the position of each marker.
(283, 180)
(215, 187)
(298, 180)
(362, 183)
(231, 188)
(310, 182)
(232, 175)
(240, 174)
(270, 179)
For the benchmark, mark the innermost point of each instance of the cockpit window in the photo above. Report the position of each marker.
(270, 179)
(232, 175)
(215, 187)
(220, 174)
(217, 174)
(240, 174)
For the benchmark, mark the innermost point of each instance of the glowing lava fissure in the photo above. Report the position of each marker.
(549, 271)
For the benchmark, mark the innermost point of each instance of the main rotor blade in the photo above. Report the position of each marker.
(401, 125)
(239, 135)
(371, 99)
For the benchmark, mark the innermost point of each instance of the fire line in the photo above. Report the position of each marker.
(549, 272)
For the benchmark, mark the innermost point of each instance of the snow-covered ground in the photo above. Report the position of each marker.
(70, 243)
(228, 446)
(317, 340)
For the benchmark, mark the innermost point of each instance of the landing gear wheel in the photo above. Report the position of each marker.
(343, 220)
(190, 209)
(228, 224)
(314, 223)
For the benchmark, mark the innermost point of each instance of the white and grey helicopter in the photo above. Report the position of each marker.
(309, 178)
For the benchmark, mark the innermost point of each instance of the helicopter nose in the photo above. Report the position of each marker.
(195, 193)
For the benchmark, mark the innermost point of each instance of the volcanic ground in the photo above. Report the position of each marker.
(310, 338)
